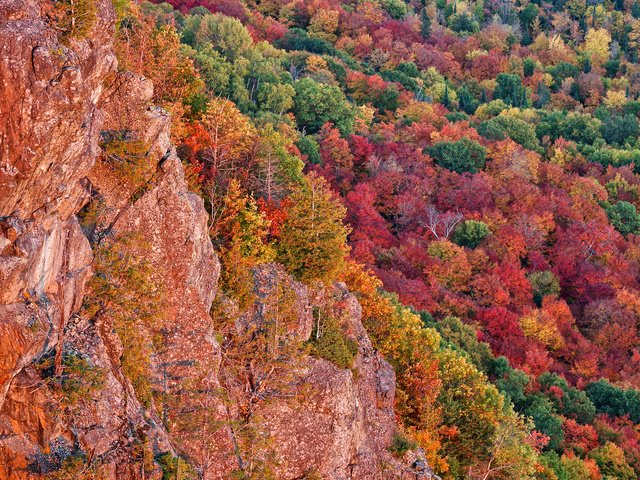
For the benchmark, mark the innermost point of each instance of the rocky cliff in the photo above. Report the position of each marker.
(68, 403)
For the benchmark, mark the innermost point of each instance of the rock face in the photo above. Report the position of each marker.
(57, 101)
(341, 425)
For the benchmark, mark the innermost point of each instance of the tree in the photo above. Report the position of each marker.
(128, 297)
(543, 95)
(528, 66)
(471, 233)
(466, 101)
(462, 156)
(158, 54)
(614, 401)
(516, 129)
(612, 464)
(395, 8)
(596, 45)
(425, 24)
(309, 147)
(541, 412)
(73, 18)
(440, 224)
(276, 98)
(214, 69)
(464, 23)
(312, 243)
(226, 34)
(241, 235)
(543, 283)
(624, 217)
(277, 168)
(617, 129)
(444, 100)
(511, 90)
(317, 104)
(323, 24)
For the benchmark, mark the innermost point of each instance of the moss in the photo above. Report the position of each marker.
(312, 475)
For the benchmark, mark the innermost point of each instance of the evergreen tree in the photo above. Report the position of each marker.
(467, 103)
(425, 24)
(445, 96)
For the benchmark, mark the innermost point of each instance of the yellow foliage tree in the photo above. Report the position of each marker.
(312, 243)
(596, 45)
(324, 24)
(615, 99)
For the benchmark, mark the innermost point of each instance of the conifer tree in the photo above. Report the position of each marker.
(425, 24)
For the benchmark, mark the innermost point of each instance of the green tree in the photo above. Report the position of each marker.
(540, 410)
(309, 147)
(464, 23)
(226, 34)
(312, 243)
(543, 95)
(471, 233)
(618, 129)
(515, 128)
(277, 98)
(466, 101)
(328, 341)
(608, 398)
(214, 70)
(543, 283)
(528, 66)
(462, 156)
(624, 217)
(425, 24)
(464, 339)
(395, 8)
(510, 89)
(277, 169)
(317, 104)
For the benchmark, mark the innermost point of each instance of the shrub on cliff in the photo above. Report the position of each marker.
(328, 341)
(79, 379)
(72, 18)
(126, 158)
(124, 291)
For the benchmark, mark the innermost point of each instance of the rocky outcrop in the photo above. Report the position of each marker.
(58, 101)
(49, 127)
(49, 123)
(341, 424)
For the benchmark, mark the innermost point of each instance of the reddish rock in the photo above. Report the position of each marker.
(49, 123)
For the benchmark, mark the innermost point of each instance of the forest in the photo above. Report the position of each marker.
(471, 169)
